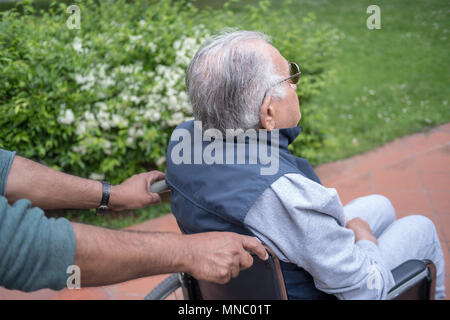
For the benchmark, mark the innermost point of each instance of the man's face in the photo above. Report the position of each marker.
(286, 112)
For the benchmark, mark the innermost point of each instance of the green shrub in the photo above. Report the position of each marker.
(103, 100)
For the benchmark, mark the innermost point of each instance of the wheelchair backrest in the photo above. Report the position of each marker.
(262, 281)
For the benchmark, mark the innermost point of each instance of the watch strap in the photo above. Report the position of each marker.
(106, 190)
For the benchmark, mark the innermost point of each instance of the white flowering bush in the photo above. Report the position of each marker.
(101, 101)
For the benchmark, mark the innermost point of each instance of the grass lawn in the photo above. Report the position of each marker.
(387, 83)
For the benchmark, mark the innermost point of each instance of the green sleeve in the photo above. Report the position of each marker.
(6, 160)
(35, 251)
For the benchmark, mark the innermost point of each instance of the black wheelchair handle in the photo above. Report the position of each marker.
(159, 187)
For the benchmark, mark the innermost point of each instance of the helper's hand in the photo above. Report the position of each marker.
(134, 193)
(219, 256)
(361, 229)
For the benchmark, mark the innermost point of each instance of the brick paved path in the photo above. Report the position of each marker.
(413, 172)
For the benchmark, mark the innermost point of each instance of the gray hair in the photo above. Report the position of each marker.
(227, 79)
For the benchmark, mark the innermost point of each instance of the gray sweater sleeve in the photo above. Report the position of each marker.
(34, 251)
(303, 222)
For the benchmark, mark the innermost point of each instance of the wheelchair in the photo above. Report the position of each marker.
(414, 280)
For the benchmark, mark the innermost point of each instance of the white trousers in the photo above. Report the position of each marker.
(411, 237)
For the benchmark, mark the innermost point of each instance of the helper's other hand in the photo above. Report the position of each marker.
(220, 256)
(134, 193)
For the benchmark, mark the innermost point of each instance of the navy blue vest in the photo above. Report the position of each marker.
(217, 197)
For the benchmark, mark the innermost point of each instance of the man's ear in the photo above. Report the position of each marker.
(266, 114)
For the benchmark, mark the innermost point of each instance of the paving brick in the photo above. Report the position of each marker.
(439, 228)
(96, 293)
(121, 296)
(139, 287)
(400, 175)
(424, 141)
(377, 159)
(436, 160)
(335, 179)
(354, 187)
(436, 181)
(441, 201)
(444, 246)
(43, 294)
(333, 169)
(444, 223)
(409, 202)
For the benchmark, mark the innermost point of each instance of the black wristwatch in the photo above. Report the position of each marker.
(103, 207)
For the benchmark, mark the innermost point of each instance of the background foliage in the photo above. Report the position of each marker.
(101, 101)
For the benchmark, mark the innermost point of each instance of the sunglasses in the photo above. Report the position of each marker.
(294, 72)
(294, 77)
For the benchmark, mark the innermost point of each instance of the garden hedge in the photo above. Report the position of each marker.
(101, 101)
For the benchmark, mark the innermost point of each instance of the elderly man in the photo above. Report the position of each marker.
(35, 252)
(238, 81)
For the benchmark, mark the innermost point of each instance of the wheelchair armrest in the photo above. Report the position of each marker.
(408, 270)
(407, 275)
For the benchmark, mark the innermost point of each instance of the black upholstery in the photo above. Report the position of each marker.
(262, 281)
(407, 271)
(414, 280)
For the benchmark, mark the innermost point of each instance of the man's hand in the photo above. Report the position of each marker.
(219, 256)
(361, 229)
(134, 192)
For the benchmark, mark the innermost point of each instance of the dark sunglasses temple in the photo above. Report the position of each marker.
(294, 77)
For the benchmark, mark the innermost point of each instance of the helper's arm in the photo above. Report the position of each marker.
(110, 256)
(36, 251)
(50, 189)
